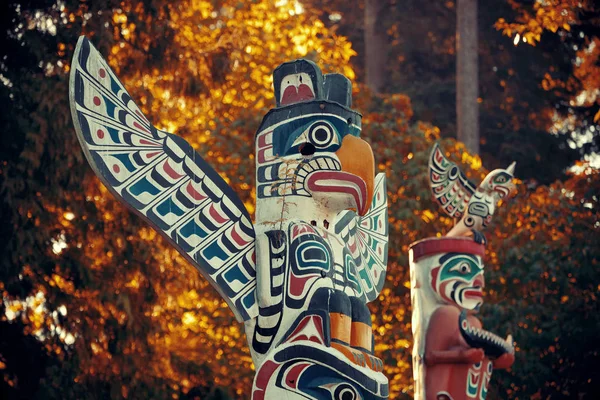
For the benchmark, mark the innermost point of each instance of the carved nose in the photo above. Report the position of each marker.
(479, 281)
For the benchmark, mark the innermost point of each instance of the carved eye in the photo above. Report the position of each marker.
(322, 135)
(463, 268)
(345, 392)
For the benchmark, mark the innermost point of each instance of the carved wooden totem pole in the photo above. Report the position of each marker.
(300, 276)
(453, 357)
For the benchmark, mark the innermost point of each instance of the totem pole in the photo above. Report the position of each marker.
(300, 276)
(453, 357)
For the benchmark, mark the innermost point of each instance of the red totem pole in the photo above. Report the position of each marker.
(453, 357)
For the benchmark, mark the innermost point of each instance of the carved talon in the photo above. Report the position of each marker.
(479, 237)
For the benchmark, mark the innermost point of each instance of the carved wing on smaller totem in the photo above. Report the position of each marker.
(449, 185)
(162, 179)
(367, 239)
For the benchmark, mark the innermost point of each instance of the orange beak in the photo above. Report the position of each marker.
(356, 158)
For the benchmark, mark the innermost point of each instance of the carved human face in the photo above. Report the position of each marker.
(459, 280)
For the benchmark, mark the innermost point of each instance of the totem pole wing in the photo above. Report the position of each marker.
(367, 241)
(162, 179)
(450, 186)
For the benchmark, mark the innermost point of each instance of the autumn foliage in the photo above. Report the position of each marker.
(96, 305)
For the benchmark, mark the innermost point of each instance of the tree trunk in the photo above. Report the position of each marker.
(467, 79)
(375, 45)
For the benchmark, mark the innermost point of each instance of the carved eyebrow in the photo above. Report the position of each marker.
(448, 256)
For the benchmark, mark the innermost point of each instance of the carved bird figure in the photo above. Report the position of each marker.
(300, 276)
(471, 206)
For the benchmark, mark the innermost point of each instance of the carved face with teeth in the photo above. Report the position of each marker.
(308, 149)
(459, 279)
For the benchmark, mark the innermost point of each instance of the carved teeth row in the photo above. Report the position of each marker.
(321, 164)
(490, 337)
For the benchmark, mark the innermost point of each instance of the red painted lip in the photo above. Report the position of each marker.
(473, 293)
(340, 182)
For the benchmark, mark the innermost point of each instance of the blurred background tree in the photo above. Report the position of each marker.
(96, 305)
(538, 73)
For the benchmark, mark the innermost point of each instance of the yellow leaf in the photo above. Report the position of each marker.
(567, 27)
(597, 116)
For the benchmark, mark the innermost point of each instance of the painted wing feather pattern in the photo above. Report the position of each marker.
(160, 177)
(449, 185)
(367, 239)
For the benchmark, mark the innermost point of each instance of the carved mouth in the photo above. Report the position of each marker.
(309, 166)
(492, 344)
(475, 292)
(339, 182)
(324, 175)
(502, 190)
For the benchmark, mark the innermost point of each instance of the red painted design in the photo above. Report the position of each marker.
(434, 276)
(300, 229)
(293, 94)
(149, 143)
(97, 101)
(116, 169)
(170, 171)
(218, 218)
(357, 188)
(430, 246)
(262, 140)
(299, 327)
(102, 73)
(439, 157)
(297, 334)
(261, 155)
(237, 238)
(137, 125)
(194, 193)
(262, 379)
(150, 155)
(292, 376)
(297, 284)
(100, 133)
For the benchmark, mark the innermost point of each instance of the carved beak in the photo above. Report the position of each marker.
(356, 158)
